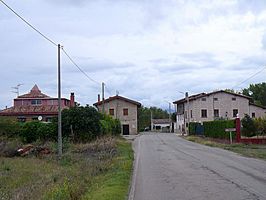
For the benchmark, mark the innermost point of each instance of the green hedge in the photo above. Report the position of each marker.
(110, 126)
(216, 129)
(9, 127)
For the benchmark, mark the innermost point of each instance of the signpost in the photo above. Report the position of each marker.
(230, 130)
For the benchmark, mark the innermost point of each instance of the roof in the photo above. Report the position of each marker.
(161, 121)
(117, 97)
(200, 95)
(30, 110)
(253, 104)
(35, 92)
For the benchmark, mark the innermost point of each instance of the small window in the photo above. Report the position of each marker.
(203, 99)
(111, 111)
(216, 112)
(215, 99)
(34, 119)
(185, 114)
(191, 114)
(233, 99)
(125, 111)
(21, 119)
(204, 113)
(235, 112)
(36, 102)
(253, 115)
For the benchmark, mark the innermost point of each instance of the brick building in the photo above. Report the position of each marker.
(124, 109)
(36, 106)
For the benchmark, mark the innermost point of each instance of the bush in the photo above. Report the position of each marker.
(260, 124)
(216, 129)
(80, 123)
(248, 126)
(9, 127)
(35, 130)
(192, 128)
(110, 126)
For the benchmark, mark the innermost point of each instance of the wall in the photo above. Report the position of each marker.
(118, 106)
(259, 112)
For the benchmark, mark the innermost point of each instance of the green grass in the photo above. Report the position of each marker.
(248, 150)
(97, 170)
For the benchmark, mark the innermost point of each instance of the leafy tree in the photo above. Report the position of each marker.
(257, 92)
(248, 124)
(81, 123)
(144, 116)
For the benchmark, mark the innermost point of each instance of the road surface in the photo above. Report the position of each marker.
(168, 167)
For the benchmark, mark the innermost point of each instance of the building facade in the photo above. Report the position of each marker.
(124, 109)
(215, 105)
(36, 106)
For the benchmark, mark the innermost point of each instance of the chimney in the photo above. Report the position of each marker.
(99, 98)
(72, 99)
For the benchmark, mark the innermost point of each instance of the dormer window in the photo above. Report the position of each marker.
(36, 102)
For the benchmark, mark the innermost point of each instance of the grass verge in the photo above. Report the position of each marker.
(98, 170)
(248, 150)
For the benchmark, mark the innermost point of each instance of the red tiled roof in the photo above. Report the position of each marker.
(30, 110)
(120, 98)
(34, 93)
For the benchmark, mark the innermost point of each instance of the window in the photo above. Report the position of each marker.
(204, 113)
(235, 111)
(21, 119)
(215, 99)
(216, 113)
(233, 99)
(185, 114)
(125, 111)
(36, 102)
(191, 114)
(111, 111)
(203, 99)
(253, 115)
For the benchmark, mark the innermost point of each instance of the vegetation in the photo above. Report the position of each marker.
(250, 150)
(144, 118)
(95, 170)
(216, 129)
(257, 92)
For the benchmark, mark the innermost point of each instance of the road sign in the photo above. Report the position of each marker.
(230, 129)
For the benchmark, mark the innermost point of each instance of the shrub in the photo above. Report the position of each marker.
(80, 123)
(192, 128)
(260, 124)
(248, 126)
(9, 127)
(216, 129)
(110, 126)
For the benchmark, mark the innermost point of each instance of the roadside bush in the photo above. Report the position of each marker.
(248, 126)
(110, 126)
(35, 130)
(9, 127)
(216, 129)
(80, 123)
(260, 124)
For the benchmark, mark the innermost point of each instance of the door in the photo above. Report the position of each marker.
(125, 129)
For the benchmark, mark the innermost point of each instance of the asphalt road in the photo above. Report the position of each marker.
(168, 167)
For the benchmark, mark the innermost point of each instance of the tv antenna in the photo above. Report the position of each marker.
(16, 88)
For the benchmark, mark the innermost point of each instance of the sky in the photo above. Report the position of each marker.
(151, 51)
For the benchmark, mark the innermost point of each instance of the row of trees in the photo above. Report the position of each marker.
(79, 124)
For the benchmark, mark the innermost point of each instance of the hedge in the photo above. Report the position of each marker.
(216, 129)
(192, 128)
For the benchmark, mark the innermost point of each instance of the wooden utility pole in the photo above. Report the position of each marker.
(59, 107)
(188, 114)
(103, 96)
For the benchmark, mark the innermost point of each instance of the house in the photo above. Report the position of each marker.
(124, 109)
(161, 125)
(36, 106)
(215, 105)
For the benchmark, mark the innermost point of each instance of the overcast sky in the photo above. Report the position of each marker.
(148, 50)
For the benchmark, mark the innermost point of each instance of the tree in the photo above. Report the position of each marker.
(144, 116)
(257, 92)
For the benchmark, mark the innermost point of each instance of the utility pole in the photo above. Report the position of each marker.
(151, 122)
(188, 114)
(103, 96)
(59, 107)
(170, 123)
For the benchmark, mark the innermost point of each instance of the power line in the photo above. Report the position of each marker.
(39, 32)
(81, 70)
(250, 77)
